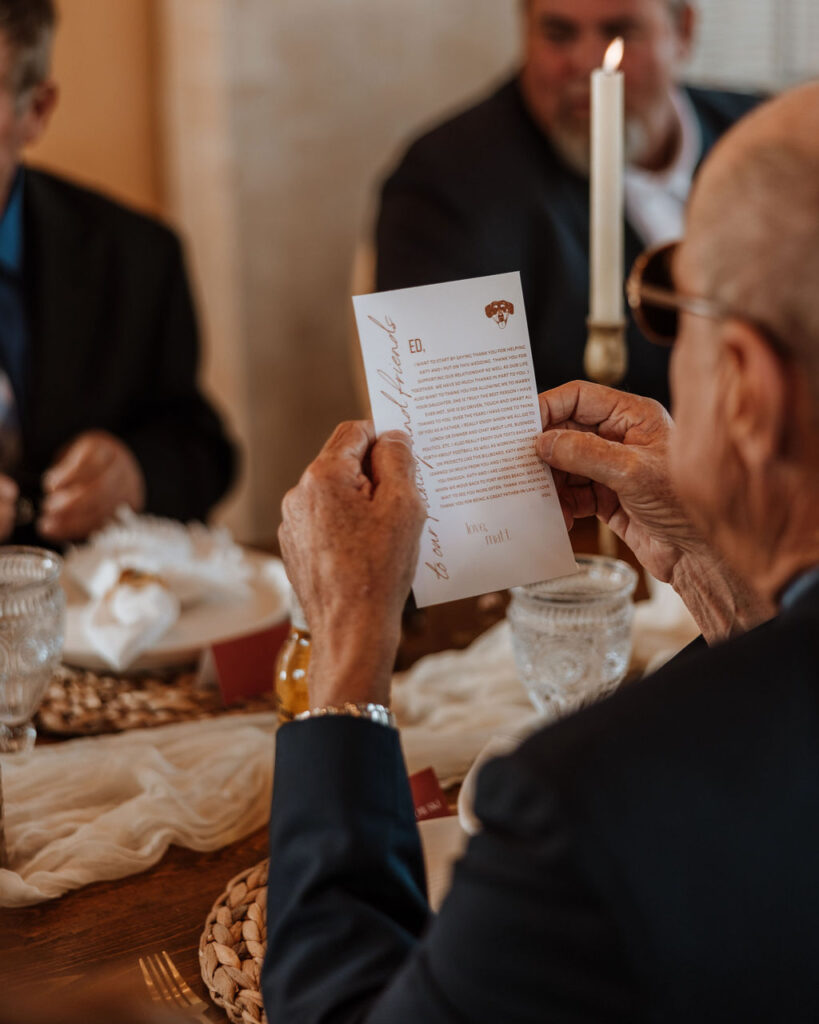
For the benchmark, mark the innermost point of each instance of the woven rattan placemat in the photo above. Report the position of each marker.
(232, 946)
(84, 703)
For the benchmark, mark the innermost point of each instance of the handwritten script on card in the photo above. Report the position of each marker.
(451, 365)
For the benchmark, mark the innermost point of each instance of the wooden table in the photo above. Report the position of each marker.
(110, 924)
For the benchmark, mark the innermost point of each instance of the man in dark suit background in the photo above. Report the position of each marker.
(504, 186)
(652, 858)
(99, 405)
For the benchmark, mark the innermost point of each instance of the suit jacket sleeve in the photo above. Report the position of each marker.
(177, 437)
(521, 936)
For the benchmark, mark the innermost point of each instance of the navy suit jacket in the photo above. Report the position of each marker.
(652, 858)
(486, 193)
(112, 344)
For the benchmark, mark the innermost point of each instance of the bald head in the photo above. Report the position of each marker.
(752, 223)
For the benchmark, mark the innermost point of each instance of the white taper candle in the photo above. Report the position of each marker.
(607, 157)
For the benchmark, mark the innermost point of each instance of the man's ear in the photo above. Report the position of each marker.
(686, 27)
(754, 384)
(38, 113)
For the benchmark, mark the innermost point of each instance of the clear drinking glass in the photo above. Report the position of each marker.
(572, 636)
(32, 624)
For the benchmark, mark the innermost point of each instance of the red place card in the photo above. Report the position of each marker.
(244, 666)
(427, 795)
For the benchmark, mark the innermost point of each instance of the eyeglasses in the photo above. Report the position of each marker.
(656, 305)
(654, 302)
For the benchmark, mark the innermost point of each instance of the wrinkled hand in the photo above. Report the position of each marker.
(349, 537)
(94, 476)
(609, 454)
(9, 492)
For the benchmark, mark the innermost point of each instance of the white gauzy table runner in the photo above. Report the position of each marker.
(109, 806)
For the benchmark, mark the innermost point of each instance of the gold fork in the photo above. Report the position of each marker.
(167, 986)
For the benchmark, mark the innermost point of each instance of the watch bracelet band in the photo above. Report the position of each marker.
(367, 710)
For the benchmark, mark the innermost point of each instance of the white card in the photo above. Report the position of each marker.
(451, 365)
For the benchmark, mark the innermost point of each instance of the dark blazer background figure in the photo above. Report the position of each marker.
(487, 193)
(112, 344)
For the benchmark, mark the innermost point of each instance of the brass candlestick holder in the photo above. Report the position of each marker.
(606, 357)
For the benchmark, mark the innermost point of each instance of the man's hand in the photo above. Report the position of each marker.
(9, 492)
(609, 454)
(349, 538)
(94, 476)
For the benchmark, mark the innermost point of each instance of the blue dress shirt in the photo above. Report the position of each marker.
(12, 310)
(11, 228)
(798, 586)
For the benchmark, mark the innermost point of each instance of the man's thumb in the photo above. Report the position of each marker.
(584, 453)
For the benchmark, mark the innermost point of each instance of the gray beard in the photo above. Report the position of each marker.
(575, 147)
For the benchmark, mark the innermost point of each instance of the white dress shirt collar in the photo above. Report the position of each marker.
(655, 200)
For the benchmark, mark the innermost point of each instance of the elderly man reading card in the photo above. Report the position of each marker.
(652, 858)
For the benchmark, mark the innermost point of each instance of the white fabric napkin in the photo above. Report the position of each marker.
(182, 565)
(128, 620)
(194, 560)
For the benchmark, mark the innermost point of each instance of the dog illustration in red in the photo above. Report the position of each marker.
(500, 311)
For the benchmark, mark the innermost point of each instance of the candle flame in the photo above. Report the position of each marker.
(614, 55)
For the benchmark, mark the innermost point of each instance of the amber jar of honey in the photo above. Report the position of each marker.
(290, 680)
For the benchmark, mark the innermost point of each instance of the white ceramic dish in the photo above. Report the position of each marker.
(198, 627)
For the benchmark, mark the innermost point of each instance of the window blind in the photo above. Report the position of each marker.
(757, 44)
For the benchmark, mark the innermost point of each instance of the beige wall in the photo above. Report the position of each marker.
(200, 172)
(105, 130)
(280, 116)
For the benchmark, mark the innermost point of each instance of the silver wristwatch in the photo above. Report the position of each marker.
(372, 712)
